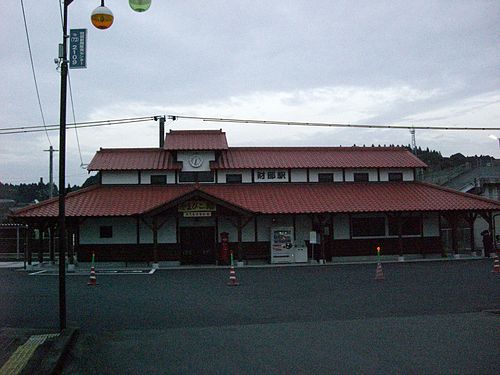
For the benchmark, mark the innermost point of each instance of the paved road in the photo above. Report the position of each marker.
(179, 321)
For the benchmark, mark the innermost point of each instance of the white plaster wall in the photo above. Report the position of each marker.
(303, 226)
(183, 156)
(372, 174)
(124, 231)
(246, 175)
(167, 233)
(119, 177)
(248, 232)
(264, 224)
(146, 176)
(226, 226)
(313, 174)
(299, 175)
(407, 174)
(145, 232)
(341, 227)
(431, 225)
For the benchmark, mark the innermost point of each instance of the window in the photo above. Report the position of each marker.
(412, 226)
(196, 176)
(325, 177)
(233, 178)
(361, 177)
(395, 177)
(158, 179)
(368, 226)
(106, 231)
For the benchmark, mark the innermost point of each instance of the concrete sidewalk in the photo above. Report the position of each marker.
(30, 351)
(103, 267)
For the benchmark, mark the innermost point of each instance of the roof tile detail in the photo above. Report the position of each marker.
(273, 198)
(317, 157)
(190, 140)
(132, 159)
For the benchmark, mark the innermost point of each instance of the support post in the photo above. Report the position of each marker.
(400, 237)
(17, 242)
(29, 246)
(155, 242)
(40, 246)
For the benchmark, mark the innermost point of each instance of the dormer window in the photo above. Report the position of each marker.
(396, 176)
(160, 179)
(234, 178)
(361, 177)
(325, 177)
(196, 176)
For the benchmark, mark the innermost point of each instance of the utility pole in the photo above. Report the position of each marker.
(413, 141)
(161, 120)
(51, 151)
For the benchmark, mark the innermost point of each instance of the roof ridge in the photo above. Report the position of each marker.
(134, 149)
(346, 148)
(199, 131)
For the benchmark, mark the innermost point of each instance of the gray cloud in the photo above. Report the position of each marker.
(381, 62)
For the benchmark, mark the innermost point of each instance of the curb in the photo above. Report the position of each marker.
(49, 358)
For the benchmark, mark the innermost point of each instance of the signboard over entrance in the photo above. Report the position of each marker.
(197, 214)
(197, 206)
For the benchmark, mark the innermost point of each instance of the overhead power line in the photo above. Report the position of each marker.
(326, 124)
(86, 124)
(33, 71)
(89, 124)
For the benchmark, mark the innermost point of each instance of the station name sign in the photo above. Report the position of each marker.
(197, 208)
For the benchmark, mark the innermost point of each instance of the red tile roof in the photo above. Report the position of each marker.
(272, 198)
(317, 157)
(132, 159)
(262, 157)
(183, 140)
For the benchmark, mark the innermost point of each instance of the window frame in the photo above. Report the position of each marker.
(237, 176)
(390, 176)
(356, 177)
(105, 231)
(364, 222)
(329, 177)
(163, 180)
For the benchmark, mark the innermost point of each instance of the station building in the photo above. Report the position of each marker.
(175, 203)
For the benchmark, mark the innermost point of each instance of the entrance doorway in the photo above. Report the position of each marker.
(197, 245)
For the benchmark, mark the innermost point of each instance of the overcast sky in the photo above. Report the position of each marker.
(433, 63)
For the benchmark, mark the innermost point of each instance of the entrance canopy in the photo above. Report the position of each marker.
(289, 198)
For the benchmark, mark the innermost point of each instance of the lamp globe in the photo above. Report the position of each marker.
(140, 5)
(102, 17)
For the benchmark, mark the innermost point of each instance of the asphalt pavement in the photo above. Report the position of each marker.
(423, 318)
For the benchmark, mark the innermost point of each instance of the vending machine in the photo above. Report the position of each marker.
(282, 249)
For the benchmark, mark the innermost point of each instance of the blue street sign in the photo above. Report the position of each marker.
(78, 48)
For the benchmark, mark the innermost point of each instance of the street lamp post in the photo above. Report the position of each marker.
(138, 6)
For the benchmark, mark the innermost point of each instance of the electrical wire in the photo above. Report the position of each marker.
(88, 124)
(325, 124)
(34, 73)
(74, 120)
(38, 128)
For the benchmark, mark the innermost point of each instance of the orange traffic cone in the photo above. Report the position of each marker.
(379, 274)
(92, 278)
(496, 265)
(232, 277)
